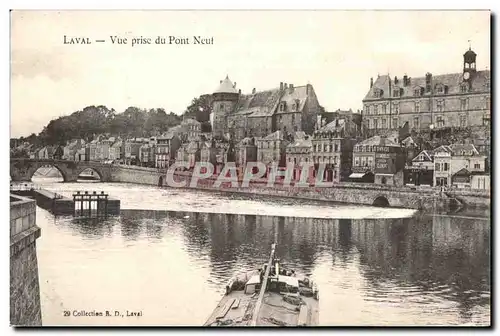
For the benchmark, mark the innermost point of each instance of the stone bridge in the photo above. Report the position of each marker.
(23, 169)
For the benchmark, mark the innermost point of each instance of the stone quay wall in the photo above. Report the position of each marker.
(25, 309)
(344, 192)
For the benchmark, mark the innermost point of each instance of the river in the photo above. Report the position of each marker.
(170, 253)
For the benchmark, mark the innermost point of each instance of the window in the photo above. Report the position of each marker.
(440, 121)
(396, 108)
(437, 166)
(395, 93)
(416, 123)
(463, 88)
(463, 104)
(445, 166)
(439, 89)
(335, 160)
(439, 105)
(221, 107)
(282, 106)
(384, 123)
(336, 147)
(375, 123)
(463, 121)
(376, 109)
(417, 92)
(395, 122)
(367, 109)
(370, 161)
(356, 161)
(417, 107)
(477, 166)
(384, 108)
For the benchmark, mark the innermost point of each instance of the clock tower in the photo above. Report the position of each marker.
(469, 65)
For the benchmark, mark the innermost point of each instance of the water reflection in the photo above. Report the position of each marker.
(429, 261)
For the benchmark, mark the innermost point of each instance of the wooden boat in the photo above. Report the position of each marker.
(270, 296)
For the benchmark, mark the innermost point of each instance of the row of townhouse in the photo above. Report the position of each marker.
(456, 165)
(330, 145)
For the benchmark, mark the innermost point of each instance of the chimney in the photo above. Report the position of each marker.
(281, 85)
(405, 80)
(371, 82)
(234, 85)
(253, 91)
(395, 79)
(239, 91)
(285, 86)
(291, 88)
(220, 81)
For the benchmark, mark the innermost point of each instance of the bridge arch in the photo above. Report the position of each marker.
(381, 201)
(35, 168)
(94, 169)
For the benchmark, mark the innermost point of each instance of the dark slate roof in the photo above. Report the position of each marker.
(298, 93)
(458, 149)
(278, 135)
(462, 172)
(378, 141)
(260, 104)
(480, 83)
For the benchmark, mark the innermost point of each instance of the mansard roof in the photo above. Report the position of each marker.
(479, 83)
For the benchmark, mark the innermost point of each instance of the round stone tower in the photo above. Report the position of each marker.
(223, 103)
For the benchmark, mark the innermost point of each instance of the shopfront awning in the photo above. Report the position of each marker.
(357, 175)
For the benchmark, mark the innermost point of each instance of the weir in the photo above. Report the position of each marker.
(82, 204)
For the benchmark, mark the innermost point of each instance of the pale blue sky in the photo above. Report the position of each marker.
(336, 51)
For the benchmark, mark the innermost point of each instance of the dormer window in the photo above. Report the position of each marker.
(378, 93)
(395, 93)
(463, 88)
(282, 106)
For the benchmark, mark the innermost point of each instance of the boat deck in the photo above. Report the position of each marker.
(239, 314)
(275, 311)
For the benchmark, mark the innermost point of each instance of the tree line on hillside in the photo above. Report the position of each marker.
(133, 122)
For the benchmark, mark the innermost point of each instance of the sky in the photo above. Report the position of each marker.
(335, 51)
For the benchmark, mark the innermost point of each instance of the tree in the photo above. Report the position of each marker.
(200, 108)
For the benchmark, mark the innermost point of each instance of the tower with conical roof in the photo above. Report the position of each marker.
(223, 102)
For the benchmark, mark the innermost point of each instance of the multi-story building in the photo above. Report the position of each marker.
(192, 129)
(378, 160)
(80, 155)
(167, 146)
(421, 169)
(449, 160)
(286, 108)
(332, 146)
(91, 150)
(271, 150)
(147, 155)
(72, 147)
(298, 152)
(429, 102)
(115, 150)
(246, 151)
(190, 153)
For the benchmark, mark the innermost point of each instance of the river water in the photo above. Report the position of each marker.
(170, 252)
